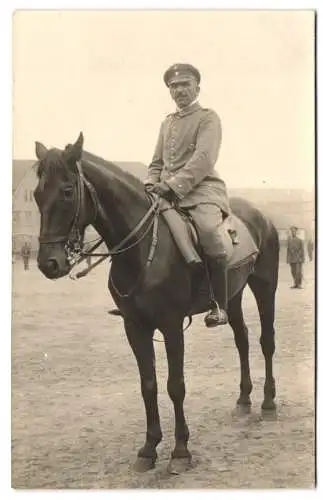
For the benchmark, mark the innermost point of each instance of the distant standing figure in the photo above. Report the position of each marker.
(25, 254)
(295, 257)
(310, 248)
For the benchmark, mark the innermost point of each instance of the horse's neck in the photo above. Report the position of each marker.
(121, 205)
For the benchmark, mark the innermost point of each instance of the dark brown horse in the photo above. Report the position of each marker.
(75, 189)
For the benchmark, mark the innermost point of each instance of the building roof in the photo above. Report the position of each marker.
(20, 168)
(134, 167)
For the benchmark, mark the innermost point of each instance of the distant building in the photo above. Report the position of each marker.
(25, 215)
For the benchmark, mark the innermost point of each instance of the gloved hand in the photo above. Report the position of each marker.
(162, 189)
(149, 188)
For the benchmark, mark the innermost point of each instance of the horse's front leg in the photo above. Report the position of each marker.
(174, 342)
(140, 339)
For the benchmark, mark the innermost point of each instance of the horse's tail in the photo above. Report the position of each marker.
(270, 253)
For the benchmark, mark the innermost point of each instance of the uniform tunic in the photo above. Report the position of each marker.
(295, 250)
(186, 151)
(295, 258)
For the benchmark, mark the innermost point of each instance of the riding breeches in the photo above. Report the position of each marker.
(208, 218)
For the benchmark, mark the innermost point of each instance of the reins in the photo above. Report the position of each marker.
(153, 213)
(118, 249)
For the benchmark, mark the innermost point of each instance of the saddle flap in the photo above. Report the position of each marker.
(182, 231)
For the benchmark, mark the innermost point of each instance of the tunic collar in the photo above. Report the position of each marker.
(189, 109)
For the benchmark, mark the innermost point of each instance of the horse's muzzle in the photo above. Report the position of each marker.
(50, 268)
(53, 266)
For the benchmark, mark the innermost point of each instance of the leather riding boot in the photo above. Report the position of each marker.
(218, 273)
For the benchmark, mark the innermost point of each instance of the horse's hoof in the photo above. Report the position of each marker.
(241, 410)
(268, 410)
(244, 400)
(268, 405)
(143, 464)
(177, 466)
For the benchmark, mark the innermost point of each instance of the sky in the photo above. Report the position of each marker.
(102, 72)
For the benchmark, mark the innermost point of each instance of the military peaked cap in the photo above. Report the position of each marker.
(179, 72)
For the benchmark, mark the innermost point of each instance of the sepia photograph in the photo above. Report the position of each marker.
(163, 259)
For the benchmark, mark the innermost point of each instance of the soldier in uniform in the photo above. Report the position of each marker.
(295, 257)
(182, 170)
(25, 254)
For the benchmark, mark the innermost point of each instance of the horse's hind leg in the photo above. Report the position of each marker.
(141, 343)
(240, 331)
(264, 293)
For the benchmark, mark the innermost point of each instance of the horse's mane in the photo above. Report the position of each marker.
(124, 175)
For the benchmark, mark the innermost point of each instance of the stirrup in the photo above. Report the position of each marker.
(216, 317)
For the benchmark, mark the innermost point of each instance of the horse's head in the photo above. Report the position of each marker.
(60, 199)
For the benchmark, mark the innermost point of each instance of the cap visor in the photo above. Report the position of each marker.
(180, 79)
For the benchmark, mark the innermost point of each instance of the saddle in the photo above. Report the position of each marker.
(237, 240)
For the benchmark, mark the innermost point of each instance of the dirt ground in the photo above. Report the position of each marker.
(78, 417)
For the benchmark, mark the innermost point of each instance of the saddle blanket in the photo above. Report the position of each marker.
(186, 238)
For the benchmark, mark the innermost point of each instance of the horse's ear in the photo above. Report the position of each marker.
(80, 140)
(75, 150)
(40, 150)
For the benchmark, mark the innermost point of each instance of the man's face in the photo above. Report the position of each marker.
(294, 232)
(184, 92)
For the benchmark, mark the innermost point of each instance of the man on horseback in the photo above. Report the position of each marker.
(182, 170)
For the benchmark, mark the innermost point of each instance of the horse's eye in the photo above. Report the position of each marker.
(68, 192)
